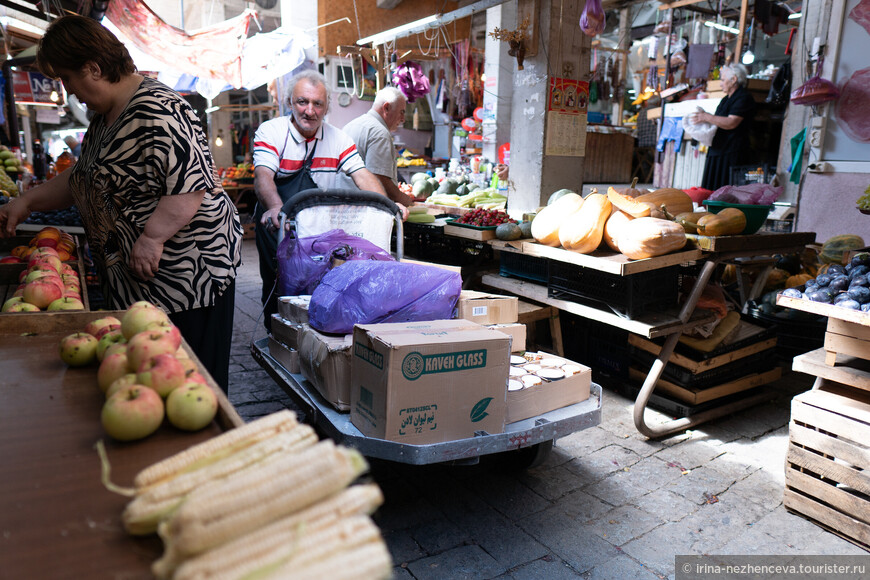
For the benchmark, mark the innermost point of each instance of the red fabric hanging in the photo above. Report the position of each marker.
(215, 51)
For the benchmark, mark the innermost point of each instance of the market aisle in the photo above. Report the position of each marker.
(606, 504)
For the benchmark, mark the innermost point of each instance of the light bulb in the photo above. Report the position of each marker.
(748, 57)
(218, 141)
(53, 96)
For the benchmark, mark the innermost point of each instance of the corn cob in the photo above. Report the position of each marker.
(275, 538)
(370, 561)
(158, 501)
(216, 448)
(222, 510)
(299, 546)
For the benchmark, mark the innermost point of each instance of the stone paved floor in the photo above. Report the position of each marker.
(606, 504)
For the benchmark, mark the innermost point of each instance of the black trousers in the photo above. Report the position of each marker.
(209, 333)
(267, 249)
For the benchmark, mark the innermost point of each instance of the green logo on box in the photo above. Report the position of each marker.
(415, 364)
(478, 413)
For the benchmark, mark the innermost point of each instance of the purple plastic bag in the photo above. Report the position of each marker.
(411, 80)
(302, 262)
(592, 20)
(749, 194)
(366, 292)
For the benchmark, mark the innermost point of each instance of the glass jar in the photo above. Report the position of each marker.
(64, 161)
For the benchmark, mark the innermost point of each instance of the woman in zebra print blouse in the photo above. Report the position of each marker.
(159, 226)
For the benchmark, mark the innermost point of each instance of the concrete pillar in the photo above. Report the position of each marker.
(498, 88)
(566, 51)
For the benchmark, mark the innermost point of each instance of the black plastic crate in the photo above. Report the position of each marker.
(601, 347)
(755, 363)
(428, 243)
(518, 265)
(627, 296)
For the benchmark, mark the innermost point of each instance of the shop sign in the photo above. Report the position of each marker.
(35, 88)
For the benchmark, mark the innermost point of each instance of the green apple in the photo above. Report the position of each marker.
(66, 303)
(191, 406)
(132, 413)
(78, 349)
(137, 318)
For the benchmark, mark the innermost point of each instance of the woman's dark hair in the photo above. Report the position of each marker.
(72, 40)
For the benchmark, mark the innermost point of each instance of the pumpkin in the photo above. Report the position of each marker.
(545, 226)
(614, 224)
(649, 237)
(729, 221)
(583, 231)
(729, 274)
(797, 280)
(834, 250)
(675, 200)
(631, 190)
(629, 204)
(776, 279)
(689, 220)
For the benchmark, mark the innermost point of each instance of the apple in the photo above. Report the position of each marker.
(133, 413)
(188, 364)
(38, 273)
(63, 254)
(19, 291)
(66, 303)
(78, 349)
(23, 307)
(112, 367)
(36, 252)
(122, 382)
(118, 347)
(191, 406)
(41, 293)
(20, 251)
(8, 304)
(166, 327)
(10, 260)
(107, 340)
(163, 373)
(106, 322)
(46, 243)
(67, 270)
(195, 377)
(49, 232)
(73, 295)
(136, 318)
(181, 353)
(146, 345)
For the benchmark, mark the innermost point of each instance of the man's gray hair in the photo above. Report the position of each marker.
(740, 73)
(388, 95)
(313, 77)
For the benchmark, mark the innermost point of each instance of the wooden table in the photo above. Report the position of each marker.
(57, 519)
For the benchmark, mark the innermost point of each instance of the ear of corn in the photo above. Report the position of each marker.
(216, 448)
(369, 561)
(159, 500)
(303, 544)
(217, 512)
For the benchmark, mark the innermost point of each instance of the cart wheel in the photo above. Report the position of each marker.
(525, 458)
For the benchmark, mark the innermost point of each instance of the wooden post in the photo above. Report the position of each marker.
(738, 50)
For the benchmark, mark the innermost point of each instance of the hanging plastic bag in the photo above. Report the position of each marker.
(592, 20)
(815, 91)
(701, 132)
(411, 80)
(365, 292)
(302, 262)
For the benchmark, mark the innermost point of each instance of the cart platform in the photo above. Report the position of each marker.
(534, 434)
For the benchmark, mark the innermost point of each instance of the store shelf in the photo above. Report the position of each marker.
(650, 325)
(607, 261)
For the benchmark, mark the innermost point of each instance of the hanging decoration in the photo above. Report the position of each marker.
(516, 40)
(592, 20)
(410, 79)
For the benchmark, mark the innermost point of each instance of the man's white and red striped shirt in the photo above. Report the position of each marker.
(335, 152)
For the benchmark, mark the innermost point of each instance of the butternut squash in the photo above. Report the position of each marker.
(628, 204)
(728, 222)
(649, 237)
(545, 226)
(689, 220)
(614, 224)
(675, 200)
(582, 232)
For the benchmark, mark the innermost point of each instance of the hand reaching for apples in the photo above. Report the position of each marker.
(145, 259)
(12, 214)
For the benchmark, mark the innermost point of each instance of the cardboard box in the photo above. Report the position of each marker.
(294, 308)
(420, 386)
(325, 360)
(548, 395)
(286, 332)
(287, 357)
(485, 308)
(516, 331)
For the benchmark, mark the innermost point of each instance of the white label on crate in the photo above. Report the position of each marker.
(479, 311)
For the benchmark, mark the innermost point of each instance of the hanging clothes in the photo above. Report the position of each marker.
(672, 130)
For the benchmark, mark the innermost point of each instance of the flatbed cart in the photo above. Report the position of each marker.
(522, 445)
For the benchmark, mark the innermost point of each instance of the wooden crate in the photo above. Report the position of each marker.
(9, 273)
(826, 469)
(846, 338)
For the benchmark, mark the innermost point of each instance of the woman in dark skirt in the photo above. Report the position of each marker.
(734, 121)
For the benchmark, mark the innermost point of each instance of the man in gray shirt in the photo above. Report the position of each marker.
(371, 133)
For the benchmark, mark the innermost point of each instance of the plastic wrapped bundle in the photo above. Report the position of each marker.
(815, 91)
(592, 20)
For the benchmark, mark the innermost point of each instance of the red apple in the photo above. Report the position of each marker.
(191, 406)
(167, 328)
(133, 413)
(10, 260)
(122, 382)
(118, 347)
(136, 318)
(163, 373)
(195, 377)
(8, 304)
(19, 291)
(66, 303)
(112, 367)
(107, 340)
(78, 349)
(67, 270)
(146, 345)
(37, 273)
(37, 252)
(106, 322)
(41, 292)
(46, 243)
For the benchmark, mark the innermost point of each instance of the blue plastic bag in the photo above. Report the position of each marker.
(302, 262)
(366, 292)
